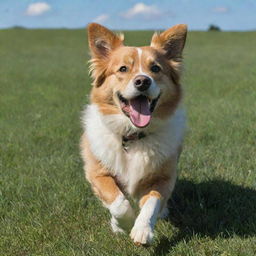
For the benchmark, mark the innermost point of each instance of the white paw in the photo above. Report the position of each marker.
(142, 234)
(122, 214)
(115, 226)
(120, 207)
(122, 224)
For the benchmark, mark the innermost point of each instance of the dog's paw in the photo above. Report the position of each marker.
(122, 224)
(115, 226)
(122, 214)
(121, 207)
(142, 234)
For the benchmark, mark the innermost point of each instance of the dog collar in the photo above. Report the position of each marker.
(127, 139)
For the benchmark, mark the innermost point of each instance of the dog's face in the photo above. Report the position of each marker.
(139, 82)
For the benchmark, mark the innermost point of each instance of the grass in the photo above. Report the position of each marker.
(47, 208)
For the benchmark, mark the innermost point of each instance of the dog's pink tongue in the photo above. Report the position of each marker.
(140, 114)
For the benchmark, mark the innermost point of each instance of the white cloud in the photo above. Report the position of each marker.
(101, 18)
(141, 9)
(220, 9)
(38, 8)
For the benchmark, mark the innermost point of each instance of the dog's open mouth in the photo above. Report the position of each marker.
(138, 109)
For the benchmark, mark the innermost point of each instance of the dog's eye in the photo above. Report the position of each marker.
(123, 69)
(155, 68)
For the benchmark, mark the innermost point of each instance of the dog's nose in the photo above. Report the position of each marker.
(142, 82)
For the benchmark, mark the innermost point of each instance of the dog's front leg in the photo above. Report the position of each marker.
(142, 231)
(107, 190)
(111, 196)
(152, 204)
(153, 201)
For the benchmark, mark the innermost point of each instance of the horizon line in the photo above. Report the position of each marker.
(118, 29)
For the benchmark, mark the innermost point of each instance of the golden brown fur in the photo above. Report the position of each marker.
(108, 54)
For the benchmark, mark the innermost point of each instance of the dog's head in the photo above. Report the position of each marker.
(139, 82)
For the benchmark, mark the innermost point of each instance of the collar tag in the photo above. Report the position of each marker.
(126, 140)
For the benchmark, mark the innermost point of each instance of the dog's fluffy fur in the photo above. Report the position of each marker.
(146, 168)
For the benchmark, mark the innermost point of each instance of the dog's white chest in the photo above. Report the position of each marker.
(142, 157)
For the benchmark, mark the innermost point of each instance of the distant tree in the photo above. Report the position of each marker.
(213, 27)
(18, 27)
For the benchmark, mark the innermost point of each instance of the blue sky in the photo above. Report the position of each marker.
(129, 14)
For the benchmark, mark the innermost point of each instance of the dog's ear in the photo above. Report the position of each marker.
(172, 41)
(102, 41)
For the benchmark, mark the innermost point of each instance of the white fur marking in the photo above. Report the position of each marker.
(131, 92)
(142, 231)
(115, 225)
(122, 214)
(140, 53)
(144, 156)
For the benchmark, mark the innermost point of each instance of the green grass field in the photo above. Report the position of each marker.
(46, 206)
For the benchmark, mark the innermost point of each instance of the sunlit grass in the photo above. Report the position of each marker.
(47, 208)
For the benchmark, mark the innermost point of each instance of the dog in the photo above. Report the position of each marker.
(134, 126)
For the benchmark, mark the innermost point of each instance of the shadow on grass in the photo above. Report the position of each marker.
(210, 209)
